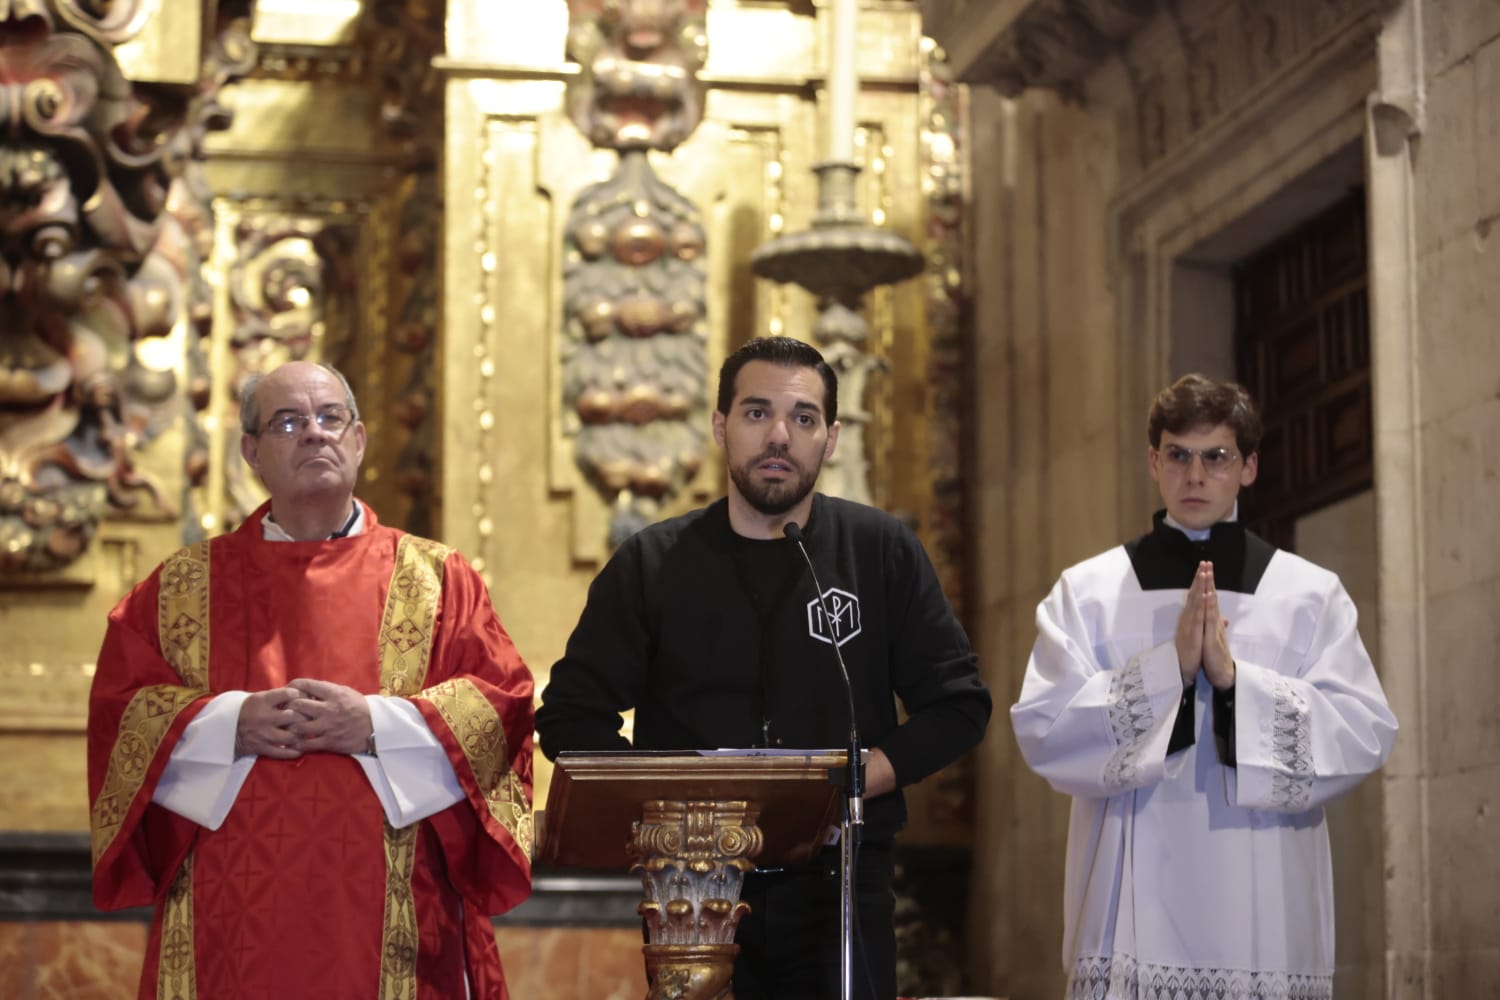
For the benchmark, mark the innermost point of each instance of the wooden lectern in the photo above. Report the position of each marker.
(691, 825)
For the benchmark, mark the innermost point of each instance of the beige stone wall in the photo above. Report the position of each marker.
(1453, 729)
(1342, 538)
(1049, 470)
(1103, 228)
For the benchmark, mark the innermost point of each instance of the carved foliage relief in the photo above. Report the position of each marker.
(1219, 57)
(634, 347)
(231, 55)
(291, 289)
(404, 38)
(944, 162)
(89, 268)
(1209, 57)
(635, 361)
(415, 335)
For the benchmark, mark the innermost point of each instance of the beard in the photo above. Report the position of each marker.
(774, 499)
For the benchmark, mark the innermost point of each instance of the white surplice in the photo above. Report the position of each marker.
(1188, 879)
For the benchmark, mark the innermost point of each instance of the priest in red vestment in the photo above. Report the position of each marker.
(310, 741)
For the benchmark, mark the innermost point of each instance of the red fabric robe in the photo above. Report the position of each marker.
(305, 891)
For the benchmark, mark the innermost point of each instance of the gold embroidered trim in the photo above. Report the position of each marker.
(142, 728)
(398, 953)
(176, 975)
(477, 727)
(410, 612)
(182, 613)
(182, 627)
(406, 632)
(182, 609)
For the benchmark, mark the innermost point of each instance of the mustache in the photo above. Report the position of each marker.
(778, 454)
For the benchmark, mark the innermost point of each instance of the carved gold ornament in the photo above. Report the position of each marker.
(692, 857)
(91, 264)
(635, 356)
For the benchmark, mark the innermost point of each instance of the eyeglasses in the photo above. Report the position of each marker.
(334, 419)
(1216, 461)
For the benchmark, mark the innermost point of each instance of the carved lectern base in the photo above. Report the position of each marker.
(690, 826)
(691, 856)
(690, 971)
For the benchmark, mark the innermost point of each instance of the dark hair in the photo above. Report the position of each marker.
(787, 352)
(250, 406)
(1195, 401)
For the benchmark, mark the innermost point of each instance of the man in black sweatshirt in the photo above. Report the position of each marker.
(709, 626)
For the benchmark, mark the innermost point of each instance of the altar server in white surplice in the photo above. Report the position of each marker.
(1201, 694)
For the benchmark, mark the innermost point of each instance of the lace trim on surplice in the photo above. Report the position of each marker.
(1123, 978)
(1291, 747)
(1130, 720)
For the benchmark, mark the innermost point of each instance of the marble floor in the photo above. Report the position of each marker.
(83, 960)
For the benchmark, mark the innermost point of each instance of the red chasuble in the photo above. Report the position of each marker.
(306, 890)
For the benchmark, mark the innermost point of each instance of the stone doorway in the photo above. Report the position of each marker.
(1278, 299)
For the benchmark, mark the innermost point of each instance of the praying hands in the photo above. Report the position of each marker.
(1203, 634)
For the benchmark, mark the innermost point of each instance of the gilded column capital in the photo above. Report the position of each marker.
(692, 857)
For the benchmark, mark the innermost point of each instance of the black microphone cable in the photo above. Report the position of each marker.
(855, 805)
(856, 772)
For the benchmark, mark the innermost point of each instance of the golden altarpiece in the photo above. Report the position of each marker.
(523, 228)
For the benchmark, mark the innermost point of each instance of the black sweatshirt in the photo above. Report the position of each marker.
(718, 641)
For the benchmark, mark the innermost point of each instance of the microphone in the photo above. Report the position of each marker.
(856, 780)
(854, 813)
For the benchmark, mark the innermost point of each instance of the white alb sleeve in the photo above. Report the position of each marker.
(1302, 740)
(1091, 731)
(202, 777)
(410, 773)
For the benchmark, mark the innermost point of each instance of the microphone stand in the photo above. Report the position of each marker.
(854, 795)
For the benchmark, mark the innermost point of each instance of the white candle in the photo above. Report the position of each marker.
(843, 80)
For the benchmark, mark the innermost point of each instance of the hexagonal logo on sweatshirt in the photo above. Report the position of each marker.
(834, 619)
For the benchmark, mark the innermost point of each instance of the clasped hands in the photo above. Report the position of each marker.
(306, 716)
(1203, 634)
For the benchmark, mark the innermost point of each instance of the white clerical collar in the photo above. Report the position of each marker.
(273, 532)
(1201, 534)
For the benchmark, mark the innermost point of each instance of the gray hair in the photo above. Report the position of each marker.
(250, 406)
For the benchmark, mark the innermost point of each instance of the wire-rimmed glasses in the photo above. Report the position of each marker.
(1217, 462)
(333, 419)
